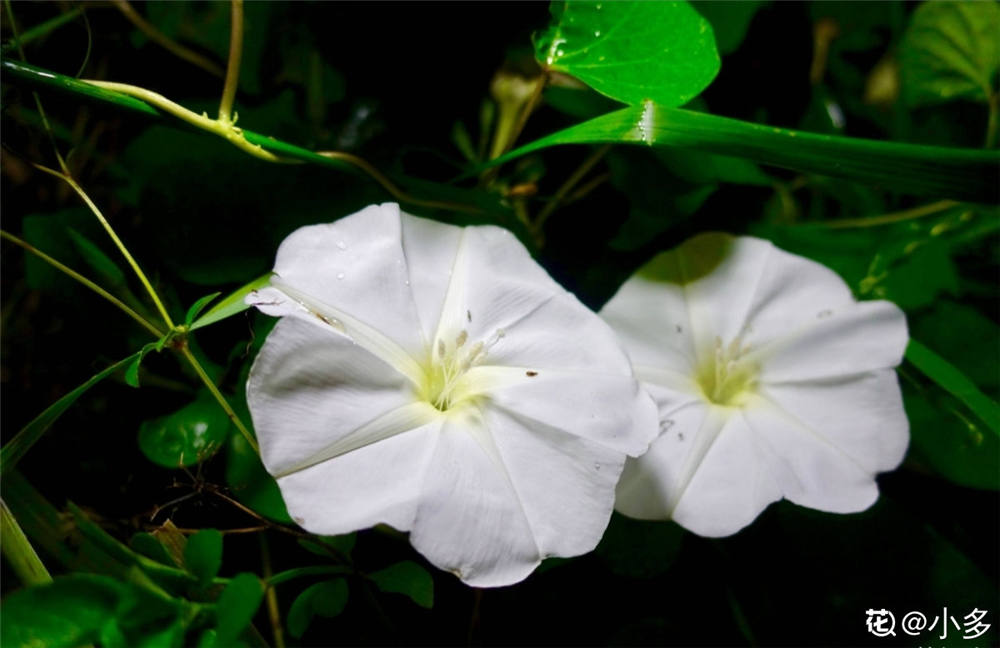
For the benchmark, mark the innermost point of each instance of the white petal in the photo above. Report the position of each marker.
(566, 484)
(378, 483)
(310, 387)
(356, 265)
(810, 469)
(652, 484)
(431, 249)
(862, 416)
(719, 275)
(858, 338)
(470, 520)
(649, 315)
(732, 484)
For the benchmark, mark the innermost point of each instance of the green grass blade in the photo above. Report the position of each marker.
(957, 173)
(232, 304)
(19, 552)
(16, 448)
(953, 381)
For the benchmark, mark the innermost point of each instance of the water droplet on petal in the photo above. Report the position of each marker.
(341, 245)
(340, 275)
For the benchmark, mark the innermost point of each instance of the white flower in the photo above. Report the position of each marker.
(771, 381)
(436, 379)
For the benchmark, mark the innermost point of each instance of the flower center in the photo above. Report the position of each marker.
(728, 375)
(444, 386)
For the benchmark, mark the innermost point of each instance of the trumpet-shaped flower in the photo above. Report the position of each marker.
(770, 379)
(436, 379)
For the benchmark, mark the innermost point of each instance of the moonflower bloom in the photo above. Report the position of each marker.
(436, 379)
(771, 382)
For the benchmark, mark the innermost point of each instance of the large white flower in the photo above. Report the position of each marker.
(436, 379)
(771, 381)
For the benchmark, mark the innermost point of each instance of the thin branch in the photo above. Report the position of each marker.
(114, 237)
(233, 65)
(164, 41)
(83, 280)
(886, 219)
(567, 186)
(271, 596)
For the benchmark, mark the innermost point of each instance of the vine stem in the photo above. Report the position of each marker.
(83, 280)
(567, 186)
(233, 65)
(226, 130)
(114, 237)
(273, 612)
(886, 219)
(223, 403)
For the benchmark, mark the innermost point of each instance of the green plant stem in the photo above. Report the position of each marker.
(567, 186)
(164, 41)
(300, 572)
(114, 237)
(233, 65)
(227, 408)
(886, 219)
(44, 28)
(83, 280)
(19, 552)
(270, 595)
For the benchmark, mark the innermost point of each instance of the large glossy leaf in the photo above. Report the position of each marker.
(951, 50)
(631, 51)
(16, 448)
(924, 170)
(187, 436)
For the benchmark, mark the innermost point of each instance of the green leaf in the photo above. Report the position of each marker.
(639, 548)
(322, 545)
(951, 50)
(69, 612)
(948, 442)
(78, 609)
(148, 545)
(203, 554)
(250, 482)
(232, 304)
(326, 599)
(187, 436)
(409, 578)
(923, 170)
(631, 51)
(132, 371)
(198, 306)
(16, 448)
(730, 20)
(236, 607)
(955, 383)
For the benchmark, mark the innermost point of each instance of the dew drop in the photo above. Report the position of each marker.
(341, 245)
(597, 33)
(597, 466)
(666, 424)
(340, 275)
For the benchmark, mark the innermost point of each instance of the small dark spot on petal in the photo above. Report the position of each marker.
(530, 374)
(468, 315)
(680, 329)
